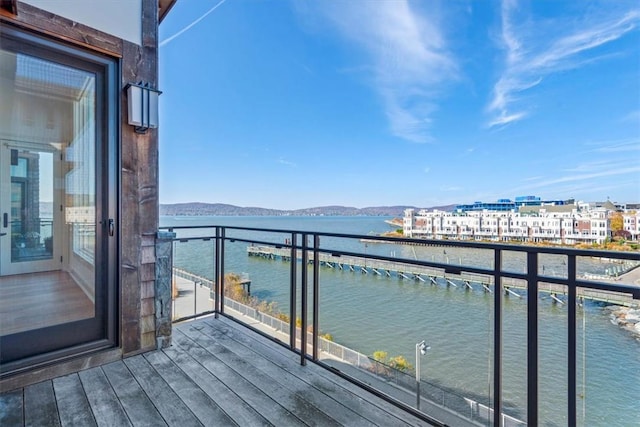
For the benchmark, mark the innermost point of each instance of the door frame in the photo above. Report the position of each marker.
(62, 342)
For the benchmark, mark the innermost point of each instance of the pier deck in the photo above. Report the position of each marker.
(435, 276)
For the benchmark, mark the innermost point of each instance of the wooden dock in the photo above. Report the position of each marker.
(435, 276)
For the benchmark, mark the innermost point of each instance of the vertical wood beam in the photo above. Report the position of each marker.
(139, 179)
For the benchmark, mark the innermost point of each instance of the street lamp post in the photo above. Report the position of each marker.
(421, 350)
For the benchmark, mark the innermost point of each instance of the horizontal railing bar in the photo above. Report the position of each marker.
(193, 316)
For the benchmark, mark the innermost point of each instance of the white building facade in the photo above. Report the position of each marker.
(571, 225)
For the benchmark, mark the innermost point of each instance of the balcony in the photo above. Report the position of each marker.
(530, 362)
(515, 330)
(215, 373)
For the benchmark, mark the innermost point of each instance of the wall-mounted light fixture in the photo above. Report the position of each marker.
(142, 106)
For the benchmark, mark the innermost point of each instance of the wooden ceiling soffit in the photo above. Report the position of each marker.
(164, 6)
(10, 6)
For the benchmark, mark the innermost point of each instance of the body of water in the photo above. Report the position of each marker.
(371, 313)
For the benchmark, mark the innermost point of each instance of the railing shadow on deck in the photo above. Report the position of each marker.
(499, 271)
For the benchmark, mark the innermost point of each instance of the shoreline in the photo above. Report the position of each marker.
(627, 318)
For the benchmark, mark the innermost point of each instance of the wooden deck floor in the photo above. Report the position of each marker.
(216, 373)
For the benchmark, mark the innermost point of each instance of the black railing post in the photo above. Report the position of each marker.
(221, 256)
(303, 301)
(217, 275)
(316, 294)
(497, 338)
(292, 291)
(571, 341)
(532, 338)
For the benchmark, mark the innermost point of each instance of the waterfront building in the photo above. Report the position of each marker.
(509, 205)
(555, 223)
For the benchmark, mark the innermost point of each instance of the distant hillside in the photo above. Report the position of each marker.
(220, 209)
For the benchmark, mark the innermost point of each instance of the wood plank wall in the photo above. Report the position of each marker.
(139, 212)
(138, 200)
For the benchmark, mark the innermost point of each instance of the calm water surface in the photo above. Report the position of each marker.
(370, 313)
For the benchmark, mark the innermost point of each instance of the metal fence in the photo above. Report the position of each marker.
(306, 246)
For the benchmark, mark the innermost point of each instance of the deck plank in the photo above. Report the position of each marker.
(261, 366)
(203, 407)
(12, 408)
(40, 406)
(73, 405)
(239, 410)
(104, 403)
(308, 377)
(133, 399)
(254, 396)
(170, 406)
(373, 408)
(294, 402)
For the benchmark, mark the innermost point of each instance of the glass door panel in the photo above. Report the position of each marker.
(53, 256)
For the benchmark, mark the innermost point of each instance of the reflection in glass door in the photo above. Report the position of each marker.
(31, 218)
(53, 256)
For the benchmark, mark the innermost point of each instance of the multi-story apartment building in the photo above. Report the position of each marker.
(568, 224)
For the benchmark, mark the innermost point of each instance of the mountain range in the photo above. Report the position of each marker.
(221, 209)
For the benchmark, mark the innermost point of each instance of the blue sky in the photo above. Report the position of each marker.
(293, 104)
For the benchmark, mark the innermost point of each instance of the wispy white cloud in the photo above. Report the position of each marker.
(581, 175)
(535, 50)
(597, 165)
(632, 117)
(617, 146)
(409, 59)
(191, 25)
(287, 163)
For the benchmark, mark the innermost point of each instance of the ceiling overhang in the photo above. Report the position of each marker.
(164, 6)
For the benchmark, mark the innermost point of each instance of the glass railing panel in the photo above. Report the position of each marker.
(514, 351)
(552, 355)
(608, 357)
(378, 314)
(514, 262)
(552, 265)
(193, 276)
(608, 340)
(257, 268)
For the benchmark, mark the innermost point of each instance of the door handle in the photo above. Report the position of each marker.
(111, 226)
(5, 220)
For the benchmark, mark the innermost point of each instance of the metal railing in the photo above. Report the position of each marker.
(304, 302)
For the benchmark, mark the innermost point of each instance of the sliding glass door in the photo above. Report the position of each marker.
(57, 200)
